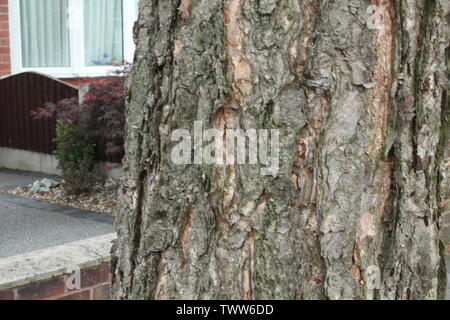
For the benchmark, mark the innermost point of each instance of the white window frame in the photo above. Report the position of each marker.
(78, 68)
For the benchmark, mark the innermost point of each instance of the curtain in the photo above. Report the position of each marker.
(103, 32)
(45, 36)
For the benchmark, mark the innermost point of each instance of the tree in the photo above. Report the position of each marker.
(357, 91)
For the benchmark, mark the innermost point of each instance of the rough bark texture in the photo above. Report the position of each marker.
(363, 120)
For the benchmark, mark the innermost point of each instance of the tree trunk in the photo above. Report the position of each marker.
(358, 94)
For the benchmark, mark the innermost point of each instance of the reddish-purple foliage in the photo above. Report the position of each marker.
(101, 114)
(68, 111)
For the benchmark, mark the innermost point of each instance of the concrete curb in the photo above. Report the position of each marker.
(52, 262)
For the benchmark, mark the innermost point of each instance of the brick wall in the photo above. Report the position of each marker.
(82, 81)
(5, 54)
(95, 285)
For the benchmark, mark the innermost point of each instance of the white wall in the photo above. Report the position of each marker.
(29, 161)
(40, 162)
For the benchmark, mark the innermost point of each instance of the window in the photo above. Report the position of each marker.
(71, 38)
(103, 32)
(44, 33)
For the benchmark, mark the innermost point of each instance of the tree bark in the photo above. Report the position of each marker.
(363, 116)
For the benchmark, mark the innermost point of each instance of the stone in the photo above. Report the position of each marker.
(44, 185)
(49, 183)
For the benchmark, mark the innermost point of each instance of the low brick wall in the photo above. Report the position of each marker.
(77, 271)
(95, 285)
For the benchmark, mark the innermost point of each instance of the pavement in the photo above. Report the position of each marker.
(27, 225)
(15, 178)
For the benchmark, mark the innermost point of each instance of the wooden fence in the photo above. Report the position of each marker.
(22, 93)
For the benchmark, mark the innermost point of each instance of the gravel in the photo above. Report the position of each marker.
(103, 199)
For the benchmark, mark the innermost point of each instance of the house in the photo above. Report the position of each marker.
(48, 50)
(67, 39)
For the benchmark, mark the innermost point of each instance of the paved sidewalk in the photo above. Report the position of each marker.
(27, 225)
(15, 178)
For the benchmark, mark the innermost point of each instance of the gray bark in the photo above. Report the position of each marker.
(363, 119)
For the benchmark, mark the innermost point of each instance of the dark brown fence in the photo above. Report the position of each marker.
(19, 95)
(22, 93)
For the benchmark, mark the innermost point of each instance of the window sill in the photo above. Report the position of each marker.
(82, 75)
(106, 72)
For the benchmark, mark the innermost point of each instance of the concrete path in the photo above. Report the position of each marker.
(15, 178)
(27, 225)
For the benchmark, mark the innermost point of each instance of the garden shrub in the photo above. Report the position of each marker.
(77, 161)
(80, 126)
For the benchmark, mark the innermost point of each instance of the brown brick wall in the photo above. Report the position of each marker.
(5, 53)
(82, 81)
(95, 285)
